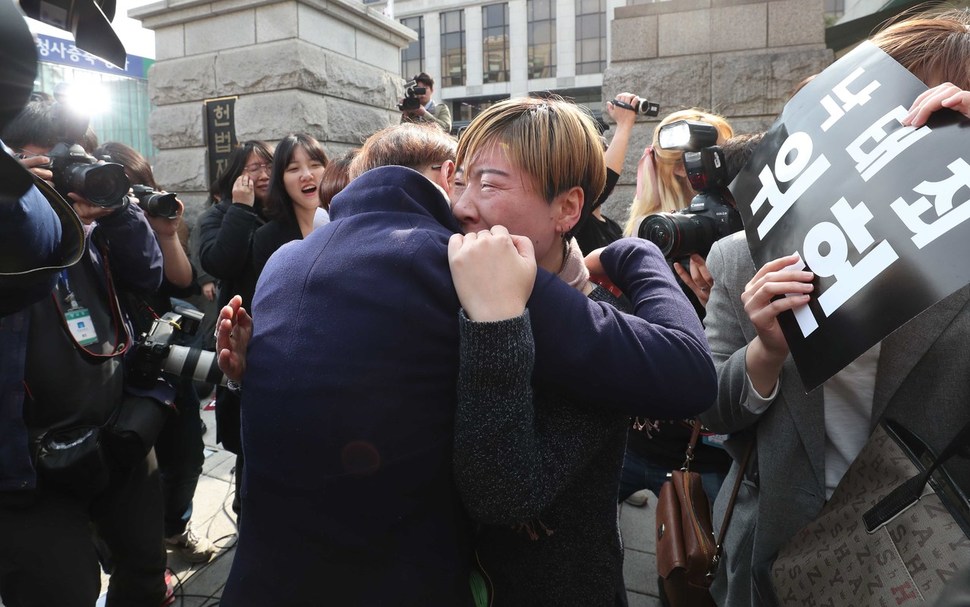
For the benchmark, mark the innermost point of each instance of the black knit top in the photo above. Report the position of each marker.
(539, 472)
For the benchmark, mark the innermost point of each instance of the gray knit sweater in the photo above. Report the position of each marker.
(540, 473)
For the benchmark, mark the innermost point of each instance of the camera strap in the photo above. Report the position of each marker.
(122, 336)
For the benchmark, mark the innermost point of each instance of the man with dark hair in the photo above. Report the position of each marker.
(428, 110)
(63, 387)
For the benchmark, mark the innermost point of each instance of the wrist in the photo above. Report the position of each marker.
(499, 312)
(763, 365)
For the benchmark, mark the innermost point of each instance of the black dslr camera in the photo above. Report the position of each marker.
(157, 352)
(105, 185)
(712, 214)
(155, 203)
(411, 92)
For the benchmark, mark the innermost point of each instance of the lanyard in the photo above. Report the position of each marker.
(70, 299)
(117, 319)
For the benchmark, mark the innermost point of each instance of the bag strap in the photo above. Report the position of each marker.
(910, 491)
(716, 559)
(692, 444)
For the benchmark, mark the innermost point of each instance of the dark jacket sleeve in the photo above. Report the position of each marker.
(30, 236)
(508, 467)
(136, 261)
(654, 363)
(225, 239)
(195, 237)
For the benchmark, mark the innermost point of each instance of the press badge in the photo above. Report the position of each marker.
(81, 327)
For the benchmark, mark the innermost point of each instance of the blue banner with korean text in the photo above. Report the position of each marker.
(64, 52)
(877, 210)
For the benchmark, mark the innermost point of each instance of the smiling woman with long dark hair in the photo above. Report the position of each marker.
(293, 197)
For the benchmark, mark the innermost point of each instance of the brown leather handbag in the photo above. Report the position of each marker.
(687, 553)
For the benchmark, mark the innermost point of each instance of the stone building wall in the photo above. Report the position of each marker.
(326, 67)
(739, 58)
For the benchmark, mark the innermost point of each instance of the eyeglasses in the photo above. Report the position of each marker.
(256, 167)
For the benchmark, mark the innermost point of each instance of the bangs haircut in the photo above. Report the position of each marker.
(413, 145)
(934, 45)
(555, 142)
(279, 205)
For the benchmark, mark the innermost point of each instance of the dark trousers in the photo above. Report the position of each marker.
(641, 473)
(48, 557)
(181, 455)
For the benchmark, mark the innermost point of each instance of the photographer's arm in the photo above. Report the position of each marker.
(178, 269)
(615, 153)
(30, 236)
(441, 116)
(136, 260)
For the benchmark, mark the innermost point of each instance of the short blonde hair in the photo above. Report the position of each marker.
(675, 191)
(934, 45)
(413, 145)
(555, 142)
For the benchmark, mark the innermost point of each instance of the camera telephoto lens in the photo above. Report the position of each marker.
(162, 205)
(200, 365)
(102, 184)
(679, 235)
(660, 230)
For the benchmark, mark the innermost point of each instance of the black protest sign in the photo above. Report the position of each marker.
(876, 210)
(220, 133)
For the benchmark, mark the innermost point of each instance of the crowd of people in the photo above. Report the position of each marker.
(446, 367)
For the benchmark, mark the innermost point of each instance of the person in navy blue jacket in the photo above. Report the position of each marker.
(350, 393)
(62, 377)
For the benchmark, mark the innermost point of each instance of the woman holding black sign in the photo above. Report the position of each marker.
(804, 443)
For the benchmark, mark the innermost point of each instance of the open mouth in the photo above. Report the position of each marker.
(310, 189)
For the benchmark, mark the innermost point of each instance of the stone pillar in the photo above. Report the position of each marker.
(432, 51)
(565, 43)
(329, 68)
(474, 51)
(739, 58)
(518, 48)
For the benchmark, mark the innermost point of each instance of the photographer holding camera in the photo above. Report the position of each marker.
(418, 106)
(71, 455)
(179, 448)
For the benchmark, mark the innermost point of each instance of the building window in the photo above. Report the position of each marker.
(464, 110)
(590, 36)
(590, 98)
(453, 48)
(495, 42)
(542, 38)
(412, 58)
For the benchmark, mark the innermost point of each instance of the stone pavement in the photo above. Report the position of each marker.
(201, 585)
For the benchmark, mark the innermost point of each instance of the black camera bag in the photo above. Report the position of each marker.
(71, 459)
